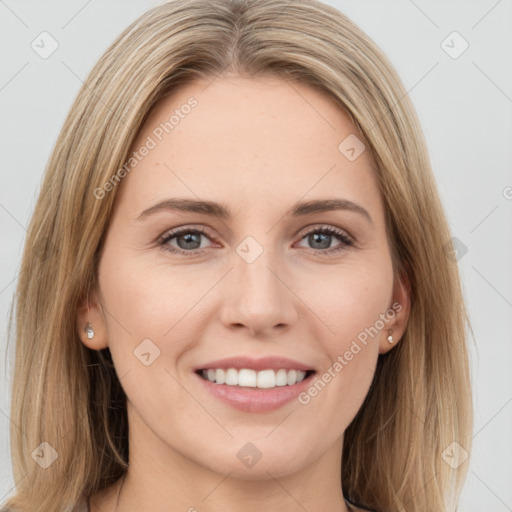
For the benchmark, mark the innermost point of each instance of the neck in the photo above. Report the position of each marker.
(273, 495)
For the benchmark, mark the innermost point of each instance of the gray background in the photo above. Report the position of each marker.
(464, 105)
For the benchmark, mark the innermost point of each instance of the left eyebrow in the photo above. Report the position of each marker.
(214, 209)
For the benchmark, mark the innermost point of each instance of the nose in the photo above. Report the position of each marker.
(259, 297)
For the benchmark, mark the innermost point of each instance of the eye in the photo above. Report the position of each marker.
(188, 240)
(322, 236)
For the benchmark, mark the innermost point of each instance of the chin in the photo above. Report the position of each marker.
(248, 462)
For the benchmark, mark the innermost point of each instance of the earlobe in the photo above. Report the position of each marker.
(90, 324)
(89, 331)
(400, 306)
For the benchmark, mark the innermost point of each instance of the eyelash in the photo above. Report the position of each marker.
(329, 230)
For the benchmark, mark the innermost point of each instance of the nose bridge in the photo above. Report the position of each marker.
(258, 296)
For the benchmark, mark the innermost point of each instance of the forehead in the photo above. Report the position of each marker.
(247, 139)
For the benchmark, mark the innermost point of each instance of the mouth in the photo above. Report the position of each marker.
(249, 378)
(255, 385)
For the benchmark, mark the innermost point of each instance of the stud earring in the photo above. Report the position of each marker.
(89, 331)
(390, 338)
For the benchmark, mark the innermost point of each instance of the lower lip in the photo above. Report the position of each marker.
(250, 399)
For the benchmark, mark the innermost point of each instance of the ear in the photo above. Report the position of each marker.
(398, 310)
(89, 311)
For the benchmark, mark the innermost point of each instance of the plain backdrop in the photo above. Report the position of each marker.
(464, 103)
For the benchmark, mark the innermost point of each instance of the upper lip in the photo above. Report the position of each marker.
(264, 363)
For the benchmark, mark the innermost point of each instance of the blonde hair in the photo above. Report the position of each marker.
(70, 397)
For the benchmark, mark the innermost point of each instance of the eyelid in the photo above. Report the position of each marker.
(209, 231)
(202, 228)
(324, 226)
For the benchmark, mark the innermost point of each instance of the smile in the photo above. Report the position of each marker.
(246, 377)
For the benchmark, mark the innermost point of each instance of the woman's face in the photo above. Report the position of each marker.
(250, 283)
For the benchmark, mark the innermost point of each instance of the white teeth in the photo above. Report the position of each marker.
(232, 377)
(300, 375)
(247, 378)
(266, 379)
(250, 378)
(220, 376)
(281, 378)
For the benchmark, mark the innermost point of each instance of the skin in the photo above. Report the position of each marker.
(257, 146)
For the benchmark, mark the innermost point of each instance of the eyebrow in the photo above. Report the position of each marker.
(214, 209)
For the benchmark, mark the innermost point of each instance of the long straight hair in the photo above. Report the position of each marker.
(69, 396)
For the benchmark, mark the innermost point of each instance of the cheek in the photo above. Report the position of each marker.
(149, 300)
(351, 304)
(142, 317)
(150, 316)
(350, 301)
